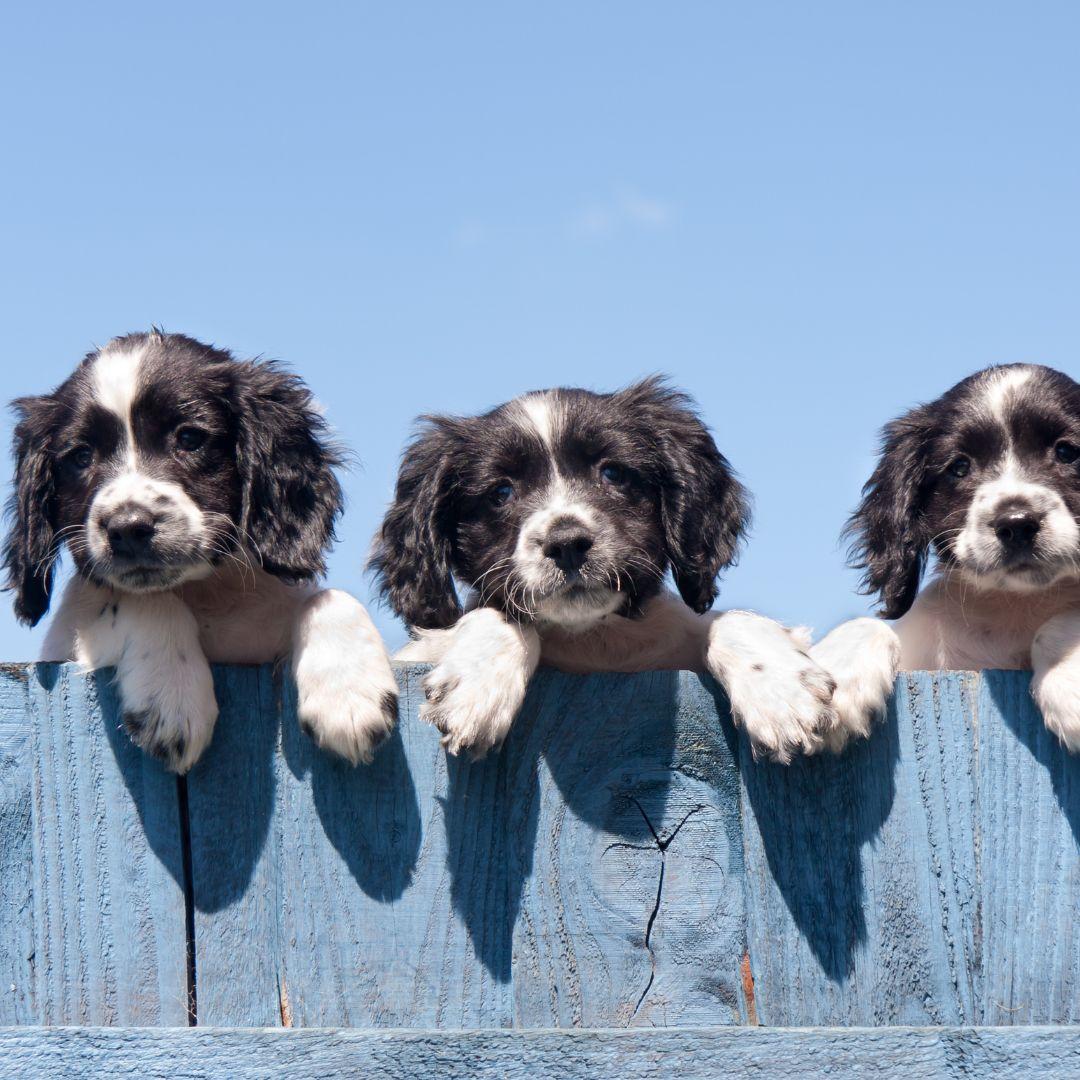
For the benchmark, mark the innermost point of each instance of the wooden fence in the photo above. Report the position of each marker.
(623, 864)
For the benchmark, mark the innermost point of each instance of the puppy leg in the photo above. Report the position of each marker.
(347, 697)
(475, 691)
(777, 692)
(1055, 658)
(164, 681)
(862, 656)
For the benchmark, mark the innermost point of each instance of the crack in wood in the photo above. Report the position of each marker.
(662, 845)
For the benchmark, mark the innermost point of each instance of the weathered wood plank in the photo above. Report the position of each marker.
(626, 795)
(235, 866)
(522, 890)
(108, 917)
(861, 878)
(16, 859)
(1029, 820)
(654, 1054)
(930, 875)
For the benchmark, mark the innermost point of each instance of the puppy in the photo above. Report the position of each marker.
(563, 511)
(197, 497)
(987, 478)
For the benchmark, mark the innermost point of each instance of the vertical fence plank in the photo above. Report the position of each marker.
(631, 895)
(109, 941)
(374, 935)
(232, 823)
(621, 862)
(16, 892)
(404, 894)
(861, 871)
(1030, 839)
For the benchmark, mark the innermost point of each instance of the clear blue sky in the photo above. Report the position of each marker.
(810, 215)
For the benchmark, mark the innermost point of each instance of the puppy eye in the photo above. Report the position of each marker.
(190, 438)
(960, 467)
(501, 495)
(82, 457)
(1066, 453)
(613, 474)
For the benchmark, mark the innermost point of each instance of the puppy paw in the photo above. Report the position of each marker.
(346, 694)
(475, 692)
(169, 709)
(862, 656)
(778, 693)
(1057, 693)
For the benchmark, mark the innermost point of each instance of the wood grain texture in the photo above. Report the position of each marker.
(622, 862)
(1035, 1053)
(427, 891)
(861, 880)
(1029, 821)
(16, 855)
(931, 875)
(109, 942)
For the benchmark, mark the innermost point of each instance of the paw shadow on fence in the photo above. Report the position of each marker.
(370, 813)
(811, 819)
(1011, 695)
(607, 743)
(152, 789)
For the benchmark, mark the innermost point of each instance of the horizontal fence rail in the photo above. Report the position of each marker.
(622, 863)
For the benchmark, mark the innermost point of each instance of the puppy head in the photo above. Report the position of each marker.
(988, 477)
(157, 458)
(561, 506)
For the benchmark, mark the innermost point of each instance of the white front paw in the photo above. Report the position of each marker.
(777, 692)
(349, 707)
(862, 656)
(1057, 693)
(346, 694)
(475, 692)
(169, 708)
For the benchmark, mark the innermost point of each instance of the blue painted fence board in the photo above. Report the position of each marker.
(1035, 1053)
(862, 882)
(107, 868)
(427, 892)
(623, 862)
(16, 859)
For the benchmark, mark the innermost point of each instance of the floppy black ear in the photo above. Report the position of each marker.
(290, 495)
(30, 550)
(704, 509)
(413, 550)
(890, 539)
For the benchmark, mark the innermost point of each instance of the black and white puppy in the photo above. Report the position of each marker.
(197, 497)
(987, 478)
(563, 511)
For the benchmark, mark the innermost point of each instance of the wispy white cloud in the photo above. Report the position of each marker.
(625, 209)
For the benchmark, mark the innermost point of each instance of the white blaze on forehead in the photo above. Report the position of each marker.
(1001, 387)
(116, 382)
(539, 412)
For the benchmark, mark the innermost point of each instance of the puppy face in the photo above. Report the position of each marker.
(562, 506)
(158, 457)
(988, 477)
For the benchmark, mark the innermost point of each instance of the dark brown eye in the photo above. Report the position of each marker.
(501, 494)
(613, 474)
(1066, 453)
(82, 457)
(961, 466)
(190, 438)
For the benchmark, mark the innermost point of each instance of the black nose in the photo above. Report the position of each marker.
(567, 547)
(130, 532)
(1017, 529)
